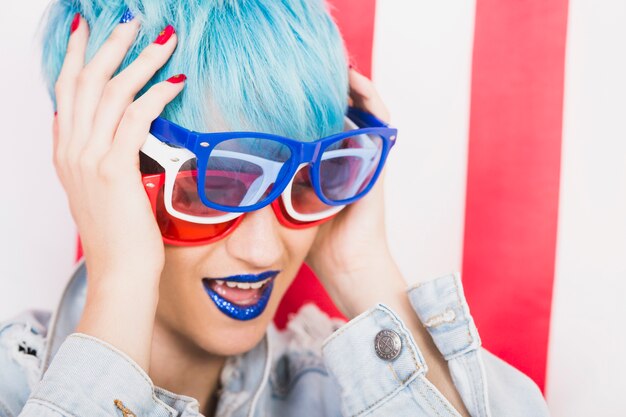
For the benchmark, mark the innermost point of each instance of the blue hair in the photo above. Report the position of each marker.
(276, 66)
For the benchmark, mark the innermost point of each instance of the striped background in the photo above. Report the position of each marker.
(512, 119)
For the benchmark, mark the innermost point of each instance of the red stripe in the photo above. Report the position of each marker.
(356, 23)
(79, 249)
(513, 176)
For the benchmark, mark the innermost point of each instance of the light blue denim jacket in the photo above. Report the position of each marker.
(317, 366)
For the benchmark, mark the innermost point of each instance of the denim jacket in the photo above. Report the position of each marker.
(316, 367)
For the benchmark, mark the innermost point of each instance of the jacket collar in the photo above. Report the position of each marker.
(243, 377)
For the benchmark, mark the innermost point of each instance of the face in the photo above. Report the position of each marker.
(198, 304)
(259, 244)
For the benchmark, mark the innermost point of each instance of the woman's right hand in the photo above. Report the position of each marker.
(98, 132)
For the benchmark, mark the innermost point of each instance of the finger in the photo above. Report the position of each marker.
(360, 85)
(365, 95)
(65, 86)
(120, 92)
(94, 77)
(135, 124)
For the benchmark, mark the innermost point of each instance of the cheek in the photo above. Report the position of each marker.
(180, 290)
(298, 242)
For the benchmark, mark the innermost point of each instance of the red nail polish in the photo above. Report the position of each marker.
(55, 114)
(75, 23)
(164, 35)
(177, 79)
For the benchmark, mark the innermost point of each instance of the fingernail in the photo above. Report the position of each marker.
(75, 23)
(127, 16)
(177, 79)
(164, 35)
(352, 64)
(55, 114)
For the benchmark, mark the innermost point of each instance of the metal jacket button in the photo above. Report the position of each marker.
(387, 345)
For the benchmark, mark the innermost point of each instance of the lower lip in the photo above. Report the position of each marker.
(239, 312)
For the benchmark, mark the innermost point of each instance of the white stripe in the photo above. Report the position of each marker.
(587, 361)
(422, 63)
(37, 243)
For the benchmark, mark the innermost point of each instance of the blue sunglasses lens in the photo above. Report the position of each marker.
(303, 198)
(242, 172)
(348, 166)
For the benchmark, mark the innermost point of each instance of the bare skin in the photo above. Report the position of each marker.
(135, 304)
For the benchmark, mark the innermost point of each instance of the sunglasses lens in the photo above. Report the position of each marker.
(185, 197)
(303, 197)
(242, 172)
(348, 166)
(178, 230)
(303, 204)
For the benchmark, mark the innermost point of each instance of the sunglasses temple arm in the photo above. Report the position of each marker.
(170, 132)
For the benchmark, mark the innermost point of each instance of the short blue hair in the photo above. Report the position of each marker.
(276, 66)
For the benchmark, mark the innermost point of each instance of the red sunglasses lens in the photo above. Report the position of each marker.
(219, 186)
(286, 220)
(176, 231)
(304, 200)
(181, 231)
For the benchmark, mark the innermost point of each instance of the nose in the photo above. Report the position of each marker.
(256, 241)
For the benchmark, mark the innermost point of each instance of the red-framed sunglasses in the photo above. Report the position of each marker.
(180, 232)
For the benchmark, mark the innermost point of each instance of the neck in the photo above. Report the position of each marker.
(183, 368)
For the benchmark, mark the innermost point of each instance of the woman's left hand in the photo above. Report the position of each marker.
(351, 258)
(350, 251)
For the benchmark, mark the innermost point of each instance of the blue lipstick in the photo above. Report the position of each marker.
(242, 312)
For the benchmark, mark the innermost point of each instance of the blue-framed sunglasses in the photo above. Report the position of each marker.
(237, 172)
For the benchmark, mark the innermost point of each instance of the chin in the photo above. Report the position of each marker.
(204, 328)
(226, 336)
(232, 340)
(204, 315)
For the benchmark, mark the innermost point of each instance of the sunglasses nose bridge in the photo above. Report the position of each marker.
(309, 152)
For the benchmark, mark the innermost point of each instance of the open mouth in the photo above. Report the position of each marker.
(241, 297)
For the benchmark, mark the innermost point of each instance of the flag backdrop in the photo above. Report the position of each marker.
(510, 167)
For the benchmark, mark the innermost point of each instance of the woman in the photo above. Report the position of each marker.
(185, 327)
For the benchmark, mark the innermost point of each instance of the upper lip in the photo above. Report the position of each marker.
(249, 277)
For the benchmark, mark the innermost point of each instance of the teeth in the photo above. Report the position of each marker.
(261, 283)
(243, 285)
